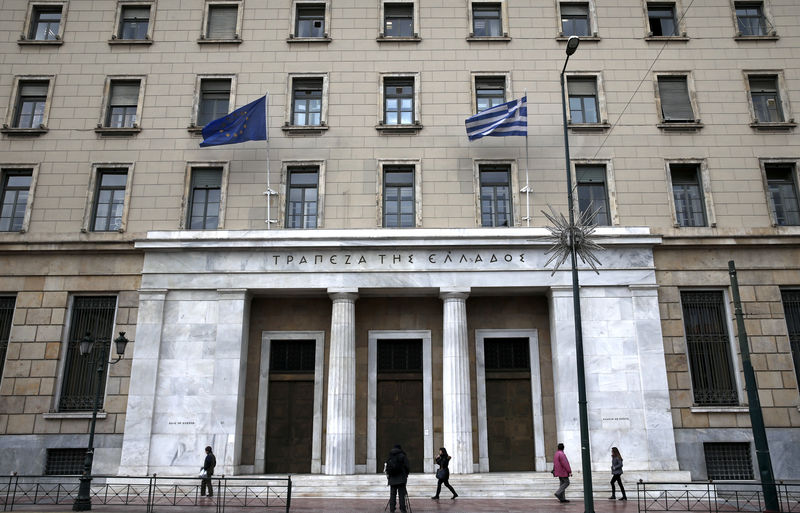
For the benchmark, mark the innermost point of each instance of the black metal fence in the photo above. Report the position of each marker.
(154, 493)
(714, 496)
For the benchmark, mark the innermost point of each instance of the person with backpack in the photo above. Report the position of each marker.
(397, 470)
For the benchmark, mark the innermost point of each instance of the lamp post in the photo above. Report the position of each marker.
(588, 499)
(84, 500)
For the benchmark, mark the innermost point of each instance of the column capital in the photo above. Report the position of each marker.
(445, 294)
(343, 294)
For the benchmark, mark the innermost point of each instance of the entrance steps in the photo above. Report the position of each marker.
(506, 485)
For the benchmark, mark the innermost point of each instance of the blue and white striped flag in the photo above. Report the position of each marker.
(507, 119)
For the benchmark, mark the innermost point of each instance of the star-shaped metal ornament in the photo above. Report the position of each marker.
(559, 236)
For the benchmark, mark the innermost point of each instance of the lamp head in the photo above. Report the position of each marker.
(572, 44)
(121, 342)
(85, 345)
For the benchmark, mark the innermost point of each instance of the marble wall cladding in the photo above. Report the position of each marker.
(27, 454)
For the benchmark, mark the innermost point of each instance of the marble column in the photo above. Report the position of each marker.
(456, 404)
(340, 437)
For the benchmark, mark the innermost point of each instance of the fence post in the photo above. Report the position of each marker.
(14, 495)
(8, 490)
(289, 493)
(151, 493)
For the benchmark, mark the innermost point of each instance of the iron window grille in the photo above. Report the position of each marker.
(791, 310)
(766, 100)
(134, 22)
(64, 462)
(399, 355)
(583, 107)
(398, 20)
(783, 193)
(398, 197)
(31, 101)
(15, 192)
(688, 195)
(215, 95)
(110, 200)
(123, 104)
(487, 20)
(301, 200)
(508, 354)
(750, 19)
(292, 356)
(310, 20)
(489, 92)
(592, 193)
(93, 315)
(398, 101)
(495, 198)
(205, 199)
(46, 23)
(728, 461)
(709, 350)
(222, 21)
(575, 19)
(307, 102)
(676, 104)
(661, 18)
(6, 316)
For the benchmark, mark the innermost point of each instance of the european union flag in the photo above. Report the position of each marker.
(248, 123)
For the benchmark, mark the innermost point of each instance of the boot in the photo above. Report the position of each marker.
(613, 496)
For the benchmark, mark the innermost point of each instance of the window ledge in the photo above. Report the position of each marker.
(117, 41)
(678, 126)
(719, 409)
(292, 39)
(35, 42)
(488, 38)
(398, 129)
(562, 37)
(105, 130)
(304, 130)
(770, 37)
(235, 41)
(589, 127)
(59, 415)
(677, 39)
(779, 125)
(23, 131)
(390, 39)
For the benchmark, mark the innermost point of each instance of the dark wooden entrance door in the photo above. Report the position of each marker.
(399, 401)
(508, 404)
(290, 412)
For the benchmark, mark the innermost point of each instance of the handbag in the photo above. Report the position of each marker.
(203, 474)
(442, 473)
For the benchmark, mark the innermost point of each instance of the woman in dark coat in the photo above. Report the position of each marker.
(443, 474)
(616, 471)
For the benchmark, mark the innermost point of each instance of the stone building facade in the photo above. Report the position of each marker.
(368, 260)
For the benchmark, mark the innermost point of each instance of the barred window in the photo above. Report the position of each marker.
(64, 462)
(292, 356)
(728, 461)
(507, 354)
(791, 309)
(6, 316)
(400, 355)
(93, 315)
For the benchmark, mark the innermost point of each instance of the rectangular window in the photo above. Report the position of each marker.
(307, 101)
(398, 100)
(791, 310)
(398, 20)
(6, 317)
(65, 462)
(688, 194)
(495, 195)
(709, 350)
(728, 461)
(766, 100)
(123, 103)
(31, 101)
(16, 189)
(109, 200)
(662, 20)
(592, 193)
(575, 19)
(134, 21)
(310, 20)
(215, 95)
(301, 197)
(750, 18)
(222, 21)
(292, 356)
(783, 193)
(204, 199)
(583, 106)
(487, 20)
(398, 197)
(489, 92)
(676, 105)
(92, 316)
(45, 23)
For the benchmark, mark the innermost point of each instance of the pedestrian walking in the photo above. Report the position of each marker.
(397, 470)
(206, 472)
(443, 473)
(616, 471)
(562, 471)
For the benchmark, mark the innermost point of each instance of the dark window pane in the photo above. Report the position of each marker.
(398, 101)
(592, 193)
(293, 356)
(110, 199)
(662, 19)
(487, 20)
(398, 20)
(301, 207)
(310, 20)
(307, 102)
(750, 19)
(575, 19)
(676, 106)
(222, 21)
(134, 21)
(689, 205)
(45, 24)
(495, 197)
(400, 355)
(398, 197)
(728, 460)
(205, 199)
(214, 100)
(783, 192)
(791, 310)
(14, 200)
(65, 462)
(489, 92)
(6, 315)
(766, 101)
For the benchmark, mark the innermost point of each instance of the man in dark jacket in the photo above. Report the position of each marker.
(397, 471)
(208, 466)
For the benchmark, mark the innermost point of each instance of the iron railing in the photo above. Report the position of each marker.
(150, 492)
(713, 496)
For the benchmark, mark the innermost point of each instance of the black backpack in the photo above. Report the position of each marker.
(393, 467)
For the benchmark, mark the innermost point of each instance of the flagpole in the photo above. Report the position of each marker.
(269, 192)
(527, 182)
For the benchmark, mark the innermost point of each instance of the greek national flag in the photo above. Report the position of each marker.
(507, 119)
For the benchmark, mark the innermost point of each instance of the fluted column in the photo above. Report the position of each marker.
(457, 407)
(340, 437)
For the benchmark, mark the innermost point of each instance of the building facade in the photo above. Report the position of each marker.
(368, 276)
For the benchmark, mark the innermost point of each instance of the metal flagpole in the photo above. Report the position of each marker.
(269, 192)
(527, 183)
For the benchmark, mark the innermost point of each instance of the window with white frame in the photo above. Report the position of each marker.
(765, 98)
(30, 108)
(399, 100)
(688, 194)
(495, 194)
(399, 196)
(122, 110)
(222, 22)
(751, 19)
(109, 199)
(575, 19)
(487, 19)
(490, 91)
(134, 21)
(593, 193)
(662, 19)
(584, 106)
(302, 196)
(14, 198)
(310, 20)
(399, 20)
(214, 99)
(45, 22)
(307, 101)
(674, 99)
(782, 187)
(205, 198)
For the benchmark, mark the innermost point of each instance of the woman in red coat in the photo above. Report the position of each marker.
(562, 471)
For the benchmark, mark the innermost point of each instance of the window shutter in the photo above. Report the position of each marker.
(206, 177)
(139, 13)
(398, 10)
(675, 103)
(124, 93)
(571, 9)
(216, 87)
(33, 89)
(582, 86)
(590, 174)
(762, 85)
(222, 21)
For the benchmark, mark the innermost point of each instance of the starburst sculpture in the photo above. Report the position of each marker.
(559, 236)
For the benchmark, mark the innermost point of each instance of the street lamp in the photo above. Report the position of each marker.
(84, 500)
(588, 499)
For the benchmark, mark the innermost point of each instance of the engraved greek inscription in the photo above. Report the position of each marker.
(303, 260)
(493, 259)
(333, 259)
(463, 258)
(478, 258)
(289, 259)
(522, 257)
(410, 259)
(396, 259)
(317, 259)
(508, 258)
(362, 260)
(347, 260)
(432, 258)
(448, 258)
